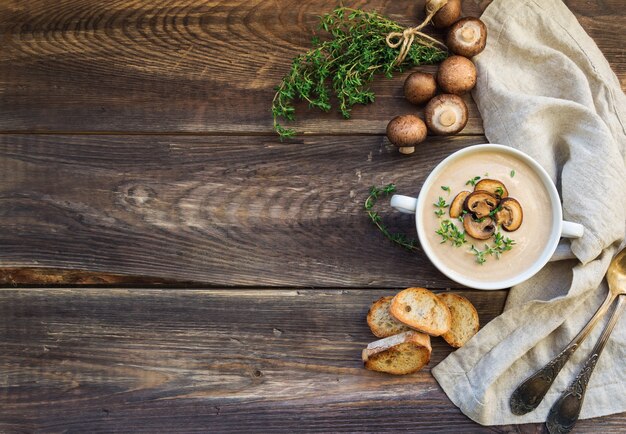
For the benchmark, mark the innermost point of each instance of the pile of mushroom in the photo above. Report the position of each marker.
(488, 206)
(446, 113)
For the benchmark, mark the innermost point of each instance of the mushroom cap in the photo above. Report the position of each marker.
(479, 229)
(446, 114)
(456, 207)
(493, 187)
(510, 215)
(467, 37)
(447, 15)
(419, 87)
(480, 203)
(457, 75)
(406, 131)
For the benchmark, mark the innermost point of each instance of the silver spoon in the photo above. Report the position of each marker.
(531, 391)
(564, 413)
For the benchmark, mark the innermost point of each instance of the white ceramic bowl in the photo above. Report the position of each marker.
(421, 206)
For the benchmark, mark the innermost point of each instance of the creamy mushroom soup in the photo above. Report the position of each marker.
(523, 184)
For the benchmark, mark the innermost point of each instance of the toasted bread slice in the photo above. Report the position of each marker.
(400, 354)
(464, 317)
(381, 323)
(421, 310)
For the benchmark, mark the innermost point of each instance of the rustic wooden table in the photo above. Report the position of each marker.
(167, 263)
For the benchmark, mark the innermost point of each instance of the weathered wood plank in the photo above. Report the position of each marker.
(194, 65)
(221, 210)
(214, 360)
(13, 277)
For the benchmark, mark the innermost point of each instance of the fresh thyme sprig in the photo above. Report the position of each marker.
(495, 211)
(473, 181)
(345, 64)
(400, 239)
(441, 205)
(480, 254)
(500, 245)
(450, 232)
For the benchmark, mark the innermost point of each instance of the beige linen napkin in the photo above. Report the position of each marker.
(545, 88)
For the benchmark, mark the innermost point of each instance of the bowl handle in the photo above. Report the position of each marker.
(404, 204)
(572, 230)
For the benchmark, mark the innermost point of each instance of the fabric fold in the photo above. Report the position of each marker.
(545, 88)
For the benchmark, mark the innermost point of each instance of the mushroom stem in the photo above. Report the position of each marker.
(468, 34)
(447, 118)
(407, 150)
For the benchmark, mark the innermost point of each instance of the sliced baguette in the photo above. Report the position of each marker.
(421, 310)
(381, 323)
(404, 353)
(464, 318)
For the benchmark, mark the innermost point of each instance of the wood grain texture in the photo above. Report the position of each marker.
(13, 277)
(234, 211)
(81, 360)
(195, 65)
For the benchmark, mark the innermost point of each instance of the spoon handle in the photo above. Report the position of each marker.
(565, 411)
(529, 394)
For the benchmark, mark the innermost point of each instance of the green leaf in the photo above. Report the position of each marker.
(473, 181)
(441, 203)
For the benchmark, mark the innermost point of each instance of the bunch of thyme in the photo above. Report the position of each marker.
(345, 64)
(399, 239)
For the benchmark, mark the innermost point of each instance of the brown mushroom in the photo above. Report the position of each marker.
(419, 87)
(510, 215)
(457, 75)
(405, 132)
(480, 229)
(456, 207)
(493, 187)
(467, 37)
(445, 16)
(480, 203)
(446, 114)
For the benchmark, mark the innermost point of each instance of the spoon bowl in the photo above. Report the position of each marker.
(616, 275)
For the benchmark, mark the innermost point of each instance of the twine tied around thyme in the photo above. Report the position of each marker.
(405, 39)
